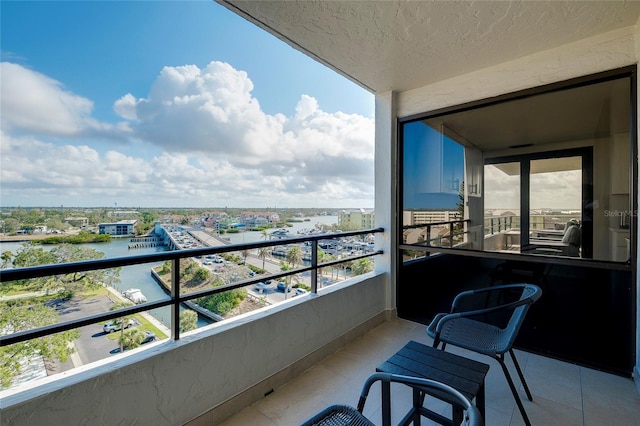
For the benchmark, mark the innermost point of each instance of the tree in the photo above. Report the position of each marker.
(10, 225)
(294, 256)
(131, 338)
(24, 316)
(29, 255)
(263, 252)
(6, 258)
(284, 267)
(362, 266)
(123, 321)
(188, 320)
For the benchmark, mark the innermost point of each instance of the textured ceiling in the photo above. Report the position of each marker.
(401, 45)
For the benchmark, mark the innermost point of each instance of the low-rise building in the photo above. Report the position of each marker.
(122, 227)
(356, 219)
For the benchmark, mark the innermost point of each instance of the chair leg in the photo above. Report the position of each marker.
(514, 391)
(524, 383)
(436, 343)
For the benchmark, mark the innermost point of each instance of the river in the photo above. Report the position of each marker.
(139, 276)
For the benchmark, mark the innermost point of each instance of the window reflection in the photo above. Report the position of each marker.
(512, 176)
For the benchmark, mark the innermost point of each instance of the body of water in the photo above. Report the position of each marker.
(136, 276)
(307, 225)
(139, 276)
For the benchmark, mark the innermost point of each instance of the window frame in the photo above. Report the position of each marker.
(625, 72)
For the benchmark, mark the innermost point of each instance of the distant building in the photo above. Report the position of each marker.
(123, 213)
(214, 220)
(356, 219)
(257, 219)
(419, 217)
(122, 227)
(77, 221)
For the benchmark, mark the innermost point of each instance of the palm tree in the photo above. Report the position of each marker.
(294, 256)
(362, 266)
(123, 321)
(263, 252)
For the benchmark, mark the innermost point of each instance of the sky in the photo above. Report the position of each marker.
(172, 104)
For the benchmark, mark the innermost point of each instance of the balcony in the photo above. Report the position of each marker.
(281, 363)
(227, 358)
(563, 393)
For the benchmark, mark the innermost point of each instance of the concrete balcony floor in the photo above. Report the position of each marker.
(563, 393)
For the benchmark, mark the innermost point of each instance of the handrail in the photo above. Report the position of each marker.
(175, 299)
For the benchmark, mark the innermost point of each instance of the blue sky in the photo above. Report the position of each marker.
(161, 103)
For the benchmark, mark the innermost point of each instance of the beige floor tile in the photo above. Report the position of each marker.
(564, 394)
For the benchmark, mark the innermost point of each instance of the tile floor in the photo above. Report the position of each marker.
(563, 393)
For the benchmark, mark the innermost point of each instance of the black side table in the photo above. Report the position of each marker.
(418, 360)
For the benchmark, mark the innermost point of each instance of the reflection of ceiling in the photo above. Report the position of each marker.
(580, 113)
(546, 165)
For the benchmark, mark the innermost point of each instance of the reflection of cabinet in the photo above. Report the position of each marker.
(619, 243)
(620, 164)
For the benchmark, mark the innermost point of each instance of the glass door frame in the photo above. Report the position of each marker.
(586, 154)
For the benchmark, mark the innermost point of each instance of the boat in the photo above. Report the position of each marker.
(135, 295)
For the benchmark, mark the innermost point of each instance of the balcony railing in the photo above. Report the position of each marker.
(176, 297)
(454, 234)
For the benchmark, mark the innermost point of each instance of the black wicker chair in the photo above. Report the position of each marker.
(343, 415)
(487, 321)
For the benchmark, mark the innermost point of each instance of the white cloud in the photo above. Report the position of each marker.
(206, 143)
(35, 104)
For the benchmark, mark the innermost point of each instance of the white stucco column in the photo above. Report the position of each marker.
(386, 167)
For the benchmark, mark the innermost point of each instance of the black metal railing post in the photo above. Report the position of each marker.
(451, 234)
(175, 295)
(314, 265)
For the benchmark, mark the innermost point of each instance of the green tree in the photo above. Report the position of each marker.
(201, 274)
(188, 320)
(6, 258)
(28, 255)
(26, 316)
(263, 252)
(123, 321)
(10, 225)
(362, 266)
(294, 256)
(131, 338)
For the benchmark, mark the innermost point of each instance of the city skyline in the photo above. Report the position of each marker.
(155, 104)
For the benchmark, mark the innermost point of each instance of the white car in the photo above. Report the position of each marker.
(300, 291)
(115, 325)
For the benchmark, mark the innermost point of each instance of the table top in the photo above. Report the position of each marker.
(419, 360)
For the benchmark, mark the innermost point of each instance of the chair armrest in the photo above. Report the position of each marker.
(465, 295)
(473, 414)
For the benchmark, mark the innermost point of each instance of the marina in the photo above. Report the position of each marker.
(139, 277)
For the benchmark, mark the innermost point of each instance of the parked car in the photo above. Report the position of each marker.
(149, 336)
(300, 291)
(261, 287)
(281, 286)
(115, 325)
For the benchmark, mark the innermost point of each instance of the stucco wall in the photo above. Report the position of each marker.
(173, 382)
